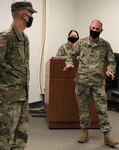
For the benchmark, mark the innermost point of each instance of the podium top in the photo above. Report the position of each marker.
(59, 57)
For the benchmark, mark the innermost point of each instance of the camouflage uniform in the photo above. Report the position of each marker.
(64, 49)
(14, 80)
(90, 78)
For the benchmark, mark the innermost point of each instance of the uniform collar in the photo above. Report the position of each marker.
(90, 43)
(19, 35)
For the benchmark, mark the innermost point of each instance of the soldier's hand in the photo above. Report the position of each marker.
(68, 67)
(110, 74)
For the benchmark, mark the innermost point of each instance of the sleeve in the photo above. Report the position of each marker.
(3, 47)
(110, 59)
(73, 54)
(61, 51)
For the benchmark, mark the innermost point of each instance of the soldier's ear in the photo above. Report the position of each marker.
(101, 30)
(24, 16)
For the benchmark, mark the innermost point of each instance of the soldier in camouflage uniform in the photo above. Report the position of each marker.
(14, 79)
(64, 49)
(93, 51)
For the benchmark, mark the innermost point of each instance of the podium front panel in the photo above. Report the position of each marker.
(60, 100)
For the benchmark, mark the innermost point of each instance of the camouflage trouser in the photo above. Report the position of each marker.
(83, 93)
(14, 118)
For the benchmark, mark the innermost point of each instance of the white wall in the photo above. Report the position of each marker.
(35, 36)
(62, 18)
(107, 12)
(65, 15)
(5, 15)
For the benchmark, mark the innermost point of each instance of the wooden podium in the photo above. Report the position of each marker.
(60, 100)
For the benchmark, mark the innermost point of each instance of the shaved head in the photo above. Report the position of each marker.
(96, 25)
(98, 22)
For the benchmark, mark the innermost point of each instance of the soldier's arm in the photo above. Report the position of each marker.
(72, 55)
(3, 47)
(111, 64)
(61, 51)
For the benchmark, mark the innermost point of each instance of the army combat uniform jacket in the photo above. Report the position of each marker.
(64, 49)
(14, 65)
(92, 57)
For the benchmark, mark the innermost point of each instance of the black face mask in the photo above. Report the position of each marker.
(94, 34)
(29, 22)
(72, 39)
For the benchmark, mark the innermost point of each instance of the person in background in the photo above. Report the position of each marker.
(73, 36)
(14, 78)
(93, 52)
